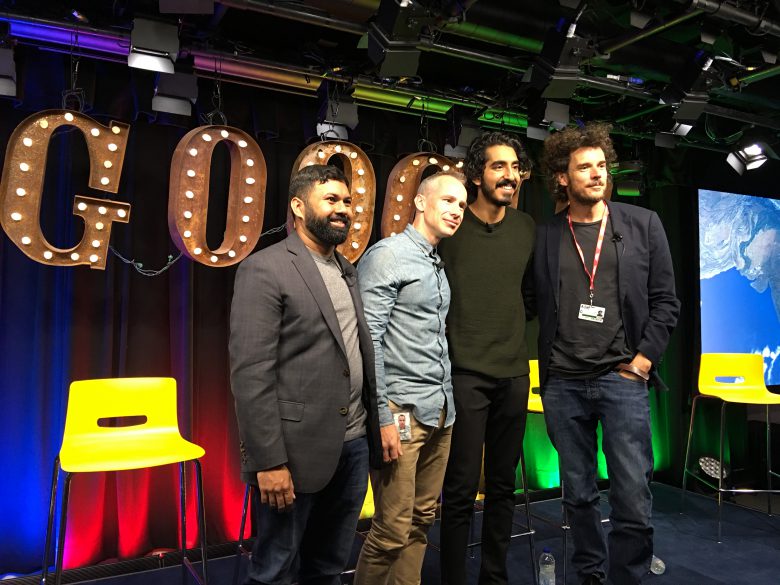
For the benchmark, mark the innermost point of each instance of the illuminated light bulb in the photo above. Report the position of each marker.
(399, 197)
(357, 225)
(250, 162)
(224, 134)
(338, 148)
(16, 216)
(445, 168)
(355, 245)
(48, 255)
(189, 194)
(242, 143)
(392, 234)
(116, 129)
(353, 155)
(232, 253)
(24, 167)
(248, 200)
(359, 209)
(27, 141)
(433, 161)
(104, 181)
(245, 219)
(242, 238)
(320, 154)
(26, 240)
(193, 152)
(361, 190)
(396, 217)
(82, 206)
(361, 172)
(197, 251)
(187, 233)
(102, 210)
(44, 124)
(99, 226)
(213, 258)
(95, 132)
(250, 181)
(311, 162)
(121, 212)
(206, 137)
(190, 172)
(21, 192)
(416, 162)
(112, 147)
(188, 214)
(95, 243)
(108, 164)
(93, 258)
(74, 256)
(459, 164)
(69, 117)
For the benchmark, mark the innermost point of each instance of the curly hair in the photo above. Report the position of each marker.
(559, 146)
(476, 157)
(305, 179)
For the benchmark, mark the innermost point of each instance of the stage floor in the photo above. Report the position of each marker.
(748, 555)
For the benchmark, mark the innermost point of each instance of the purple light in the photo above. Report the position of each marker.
(83, 39)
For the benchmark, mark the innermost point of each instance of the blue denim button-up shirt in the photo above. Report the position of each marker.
(406, 297)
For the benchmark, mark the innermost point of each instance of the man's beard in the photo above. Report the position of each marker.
(327, 234)
(583, 197)
(491, 194)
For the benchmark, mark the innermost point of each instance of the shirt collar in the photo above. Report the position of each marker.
(419, 240)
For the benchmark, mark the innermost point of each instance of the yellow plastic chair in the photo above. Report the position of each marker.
(732, 378)
(116, 424)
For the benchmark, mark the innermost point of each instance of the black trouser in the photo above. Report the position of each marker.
(492, 412)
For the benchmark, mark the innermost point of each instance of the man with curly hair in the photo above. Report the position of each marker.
(486, 263)
(607, 305)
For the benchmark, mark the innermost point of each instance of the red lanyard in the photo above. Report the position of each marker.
(591, 274)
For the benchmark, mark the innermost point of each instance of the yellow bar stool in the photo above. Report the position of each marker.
(732, 378)
(116, 424)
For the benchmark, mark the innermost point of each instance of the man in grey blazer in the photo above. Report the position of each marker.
(302, 374)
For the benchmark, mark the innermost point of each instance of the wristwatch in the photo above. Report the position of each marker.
(634, 370)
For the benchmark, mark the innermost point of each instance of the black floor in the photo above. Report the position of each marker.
(748, 555)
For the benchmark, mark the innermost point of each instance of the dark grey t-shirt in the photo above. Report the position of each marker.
(585, 349)
(345, 312)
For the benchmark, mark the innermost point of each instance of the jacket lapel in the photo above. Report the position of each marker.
(620, 225)
(554, 254)
(304, 264)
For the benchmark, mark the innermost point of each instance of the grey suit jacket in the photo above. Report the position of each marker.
(289, 369)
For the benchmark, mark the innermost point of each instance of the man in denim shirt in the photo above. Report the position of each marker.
(406, 297)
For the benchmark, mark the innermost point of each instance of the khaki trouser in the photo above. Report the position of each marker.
(405, 496)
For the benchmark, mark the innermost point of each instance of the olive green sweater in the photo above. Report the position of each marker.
(485, 266)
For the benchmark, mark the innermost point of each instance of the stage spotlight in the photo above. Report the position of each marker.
(747, 158)
(681, 129)
(712, 467)
(175, 93)
(153, 46)
(665, 140)
(393, 37)
(639, 19)
(536, 133)
(7, 73)
(462, 129)
(336, 105)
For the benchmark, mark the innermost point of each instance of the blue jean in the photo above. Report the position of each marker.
(314, 539)
(572, 411)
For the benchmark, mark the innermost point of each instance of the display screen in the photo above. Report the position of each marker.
(739, 267)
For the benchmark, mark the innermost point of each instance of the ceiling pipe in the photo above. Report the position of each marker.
(650, 32)
(471, 31)
(721, 10)
(752, 77)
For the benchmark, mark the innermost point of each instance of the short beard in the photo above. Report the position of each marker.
(326, 233)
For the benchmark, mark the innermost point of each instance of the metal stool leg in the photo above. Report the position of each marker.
(202, 522)
(531, 540)
(50, 522)
(688, 450)
(61, 535)
(240, 550)
(720, 470)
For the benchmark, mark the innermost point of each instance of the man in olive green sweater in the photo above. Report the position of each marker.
(486, 262)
